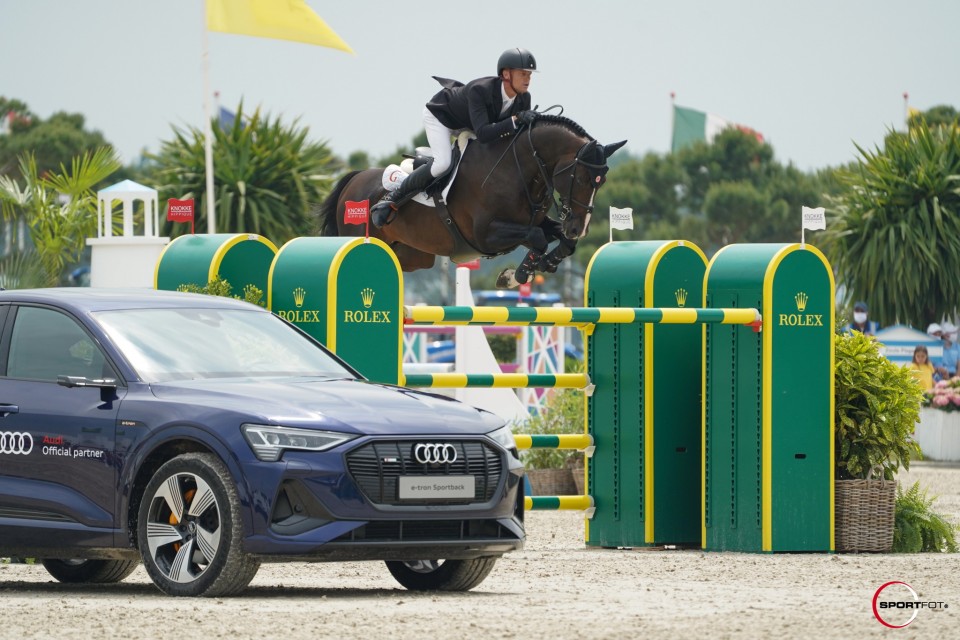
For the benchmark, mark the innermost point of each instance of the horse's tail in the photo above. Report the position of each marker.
(327, 216)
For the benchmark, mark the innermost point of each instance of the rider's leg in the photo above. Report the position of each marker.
(438, 136)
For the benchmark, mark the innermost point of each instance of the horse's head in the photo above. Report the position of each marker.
(577, 182)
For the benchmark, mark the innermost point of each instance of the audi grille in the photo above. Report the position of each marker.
(377, 465)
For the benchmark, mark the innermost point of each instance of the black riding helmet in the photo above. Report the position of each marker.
(516, 59)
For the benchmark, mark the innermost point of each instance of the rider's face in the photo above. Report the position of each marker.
(518, 79)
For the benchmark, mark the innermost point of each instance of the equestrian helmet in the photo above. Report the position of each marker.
(516, 59)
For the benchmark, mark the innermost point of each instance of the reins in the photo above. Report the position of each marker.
(564, 206)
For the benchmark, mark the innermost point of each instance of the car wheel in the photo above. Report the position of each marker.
(77, 571)
(441, 575)
(190, 531)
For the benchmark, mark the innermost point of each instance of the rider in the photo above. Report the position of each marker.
(492, 107)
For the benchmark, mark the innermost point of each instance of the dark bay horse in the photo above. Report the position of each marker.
(499, 200)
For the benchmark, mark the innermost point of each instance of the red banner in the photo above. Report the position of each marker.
(526, 289)
(356, 212)
(473, 265)
(180, 210)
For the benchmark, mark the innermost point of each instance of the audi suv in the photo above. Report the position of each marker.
(203, 436)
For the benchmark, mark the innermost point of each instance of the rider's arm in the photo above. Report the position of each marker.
(480, 120)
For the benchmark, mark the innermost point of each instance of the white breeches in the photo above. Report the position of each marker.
(438, 137)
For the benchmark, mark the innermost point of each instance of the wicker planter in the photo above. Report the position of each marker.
(551, 482)
(864, 515)
(578, 480)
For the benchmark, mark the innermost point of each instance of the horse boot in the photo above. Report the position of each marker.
(385, 211)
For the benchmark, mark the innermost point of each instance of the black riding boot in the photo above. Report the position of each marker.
(384, 211)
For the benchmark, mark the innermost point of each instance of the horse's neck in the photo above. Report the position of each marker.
(555, 143)
(524, 166)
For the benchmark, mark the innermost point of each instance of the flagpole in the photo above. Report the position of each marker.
(906, 111)
(673, 118)
(208, 134)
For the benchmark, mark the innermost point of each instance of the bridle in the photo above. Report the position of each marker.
(586, 157)
(597, 172)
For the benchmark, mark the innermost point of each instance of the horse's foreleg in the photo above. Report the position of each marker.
(533, 238)
(537, 239)
(552, 260)
(552, 230)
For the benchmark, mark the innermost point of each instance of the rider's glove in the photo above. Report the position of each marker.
(526, 117)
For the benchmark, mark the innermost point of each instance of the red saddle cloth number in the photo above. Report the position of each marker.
(356, 212)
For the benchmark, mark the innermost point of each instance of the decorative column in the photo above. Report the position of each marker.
(129, 259)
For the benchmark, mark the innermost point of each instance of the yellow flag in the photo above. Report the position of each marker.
(278, 19)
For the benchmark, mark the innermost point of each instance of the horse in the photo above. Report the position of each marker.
(499, 200)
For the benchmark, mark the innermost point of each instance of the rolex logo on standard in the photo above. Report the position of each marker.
(298, 315)
(366, 315)
(800, 319)
(681, 295)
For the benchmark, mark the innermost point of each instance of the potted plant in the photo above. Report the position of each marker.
(876, 408)
(553, 472)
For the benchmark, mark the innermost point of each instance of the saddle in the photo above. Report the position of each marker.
(435, 194)
(394, 174)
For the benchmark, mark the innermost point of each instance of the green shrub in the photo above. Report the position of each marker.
(503, 346)
(917, 527)
(221, 287)
(877, 406)
(563, 413)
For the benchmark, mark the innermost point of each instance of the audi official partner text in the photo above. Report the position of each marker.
(203, 436)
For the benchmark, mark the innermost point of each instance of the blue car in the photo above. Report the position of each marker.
(203, 436)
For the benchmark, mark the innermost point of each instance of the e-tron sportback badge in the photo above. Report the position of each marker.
(441, 453)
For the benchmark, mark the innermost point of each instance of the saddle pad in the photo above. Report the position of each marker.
(462, 141)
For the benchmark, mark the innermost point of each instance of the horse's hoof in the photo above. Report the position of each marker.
(506, 279)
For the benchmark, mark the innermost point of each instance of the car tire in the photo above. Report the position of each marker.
(441, 575)
(77, 571)
(190, 531)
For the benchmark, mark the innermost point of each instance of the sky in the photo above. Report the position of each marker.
(814, 77)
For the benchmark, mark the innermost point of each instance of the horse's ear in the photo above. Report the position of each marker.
(608, 149)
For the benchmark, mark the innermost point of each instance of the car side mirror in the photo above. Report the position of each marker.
(79, 381)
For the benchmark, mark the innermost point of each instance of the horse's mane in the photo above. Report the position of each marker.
(567, 123)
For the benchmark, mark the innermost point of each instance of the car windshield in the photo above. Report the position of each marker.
(183, 344)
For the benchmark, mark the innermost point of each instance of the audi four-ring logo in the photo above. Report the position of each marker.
(435, 453)
(16, 442)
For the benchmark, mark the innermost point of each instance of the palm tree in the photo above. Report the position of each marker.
(60, 210)
(894, 230)
(268, 176)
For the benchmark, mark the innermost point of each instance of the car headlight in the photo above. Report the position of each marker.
(504, 437)
(268, 443)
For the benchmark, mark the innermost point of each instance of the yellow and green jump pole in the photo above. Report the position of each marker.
(581, 442)
(499, 380)
(575, 316)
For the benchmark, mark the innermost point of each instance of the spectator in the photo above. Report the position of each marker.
(951, 350)
(860, 322)
(921, 368)
(936, 331)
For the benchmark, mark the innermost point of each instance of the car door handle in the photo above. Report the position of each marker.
(7, 409)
